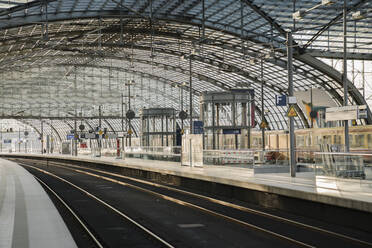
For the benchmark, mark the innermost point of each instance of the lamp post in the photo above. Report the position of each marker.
(344, 77)
(262, 109)
(292, 158)
(190, 91)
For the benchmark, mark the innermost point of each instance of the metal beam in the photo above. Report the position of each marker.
(338, 55)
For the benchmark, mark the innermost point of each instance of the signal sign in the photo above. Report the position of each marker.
(292, 111)
(263, 125)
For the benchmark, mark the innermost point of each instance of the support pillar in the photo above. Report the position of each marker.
(292, 154)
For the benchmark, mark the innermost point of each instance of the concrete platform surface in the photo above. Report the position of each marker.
(349, 193)
(28, 218)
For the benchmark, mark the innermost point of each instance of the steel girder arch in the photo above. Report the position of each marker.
(55, 130)
(139, 73)
(316, 63)
(29, 124)
(52, 128)
(210, 62)
(102, 12)
(218, 64)
(174, 99)
(109, 125)
(163, 80)
(337, 76)
(246, 74)
(167, 67)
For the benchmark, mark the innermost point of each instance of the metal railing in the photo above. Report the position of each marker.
(229, 157)
(165, 153)
(344, 164)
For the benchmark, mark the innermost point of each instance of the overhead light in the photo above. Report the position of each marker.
(252, 61)
(298, 15)
(359, 15)
(327, 2)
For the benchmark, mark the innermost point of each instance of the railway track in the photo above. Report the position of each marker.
(95, 237)
(295, 233)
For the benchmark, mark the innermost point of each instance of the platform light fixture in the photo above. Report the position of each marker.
(327, 2)
(298, 15)
(359, 15)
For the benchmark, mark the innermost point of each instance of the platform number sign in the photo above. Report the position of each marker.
(281, 100)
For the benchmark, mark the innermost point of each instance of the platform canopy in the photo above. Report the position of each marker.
(63, 58)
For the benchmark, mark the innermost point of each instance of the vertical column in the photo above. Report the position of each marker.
(262, 108)
(1, 138)
(19, 140)
(190, 90)
(122, 120)
(292, 159)
(217, 141)
(213, 126)
(129, 122)
(244, 124)
(162, 130)
(166, 130)
(42, 137)
(249, 122)
(344, 78)
(99, 126)
(75, 136)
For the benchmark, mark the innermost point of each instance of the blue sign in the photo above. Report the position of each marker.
(7, 141)
(70, 136)
(231, 131)
(198, 127)
(281, 100)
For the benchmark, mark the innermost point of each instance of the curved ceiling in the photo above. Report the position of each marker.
(62, 58)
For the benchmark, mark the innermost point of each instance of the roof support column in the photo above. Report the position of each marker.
(190, 92)
(344, 79)
(292, 155)
(262, 107)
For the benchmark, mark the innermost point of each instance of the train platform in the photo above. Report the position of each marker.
(347, 193)
(28, 218)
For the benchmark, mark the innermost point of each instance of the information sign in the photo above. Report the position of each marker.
(231, 131)
(281, 100)
(198, 127)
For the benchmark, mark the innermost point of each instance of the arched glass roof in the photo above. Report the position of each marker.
(61, 58)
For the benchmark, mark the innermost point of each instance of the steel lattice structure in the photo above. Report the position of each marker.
(63, 58)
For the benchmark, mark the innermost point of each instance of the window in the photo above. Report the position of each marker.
(300, 140)
(337, 139)
(359, 140)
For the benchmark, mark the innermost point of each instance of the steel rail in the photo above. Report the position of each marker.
(72, 212)
(217, 201)
(180, 202)
(105, 204)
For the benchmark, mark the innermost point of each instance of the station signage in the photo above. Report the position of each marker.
(351, 112)
(198, 127)
(281, 100)
(231, 131)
